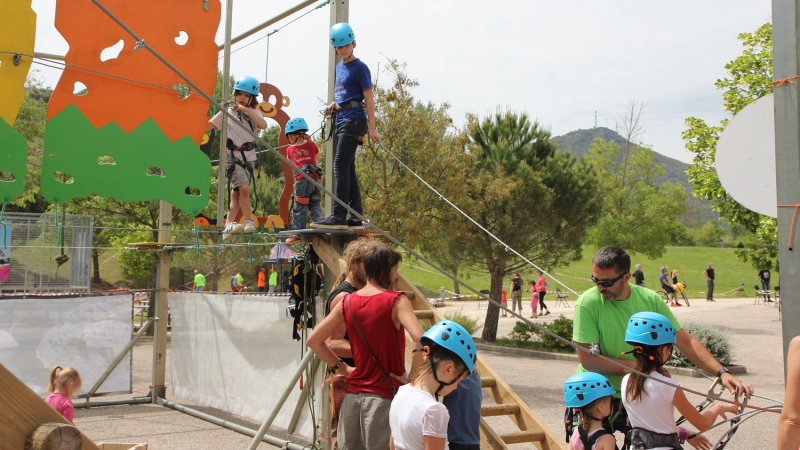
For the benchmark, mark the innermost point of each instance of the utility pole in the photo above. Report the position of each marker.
(787, 159)
(164, 258)
(340, 12)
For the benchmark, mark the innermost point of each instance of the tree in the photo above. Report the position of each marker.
(521, 189)
(423, 138)
(750, 78)
(638, 214)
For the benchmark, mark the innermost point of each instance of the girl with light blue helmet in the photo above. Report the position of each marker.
(417, 420)
(589, 396)
(651, 403)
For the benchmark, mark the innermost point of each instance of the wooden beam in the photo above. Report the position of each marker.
(505, 409)
(523, 436)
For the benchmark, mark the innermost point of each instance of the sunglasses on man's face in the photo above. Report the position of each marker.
(607, 283)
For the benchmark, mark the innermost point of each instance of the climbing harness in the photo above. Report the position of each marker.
(642, 439)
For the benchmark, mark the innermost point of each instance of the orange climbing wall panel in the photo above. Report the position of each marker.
(179, 30)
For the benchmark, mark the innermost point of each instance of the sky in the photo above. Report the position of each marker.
(558, 61)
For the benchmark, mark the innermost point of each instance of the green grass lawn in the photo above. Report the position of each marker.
(690, 262)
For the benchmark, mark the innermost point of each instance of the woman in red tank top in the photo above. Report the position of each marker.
(376, 318)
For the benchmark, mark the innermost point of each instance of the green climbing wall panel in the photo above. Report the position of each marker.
(13, 153)
(137, 166)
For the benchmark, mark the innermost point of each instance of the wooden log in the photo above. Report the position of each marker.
(54, 436)
(523, 436)
(503, 409)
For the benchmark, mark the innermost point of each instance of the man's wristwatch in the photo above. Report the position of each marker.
(721, 371)
(335, 367)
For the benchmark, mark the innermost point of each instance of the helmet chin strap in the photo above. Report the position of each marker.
(442, 384)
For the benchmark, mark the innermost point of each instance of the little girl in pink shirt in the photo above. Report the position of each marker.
(64, 383)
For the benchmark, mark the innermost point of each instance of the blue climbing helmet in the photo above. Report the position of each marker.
(342, 34)
(455, 338)
(585, 387)
(296, 125)
(247, 84)
(650, 328)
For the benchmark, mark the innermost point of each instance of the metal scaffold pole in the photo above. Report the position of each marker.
(787, 157)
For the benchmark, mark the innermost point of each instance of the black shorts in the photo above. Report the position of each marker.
(668, 289)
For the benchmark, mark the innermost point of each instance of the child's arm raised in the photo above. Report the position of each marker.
(702, 421)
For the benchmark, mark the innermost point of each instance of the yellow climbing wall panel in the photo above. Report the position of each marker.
(17, 34)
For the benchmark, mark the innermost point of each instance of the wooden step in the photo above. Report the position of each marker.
(488, 381)
(424, 314)
(411, 295)
(523, 436)
(503, 409)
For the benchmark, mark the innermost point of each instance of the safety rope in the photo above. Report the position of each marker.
(142, 44)
(794, 215)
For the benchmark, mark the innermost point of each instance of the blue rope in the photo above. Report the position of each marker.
(58, 226)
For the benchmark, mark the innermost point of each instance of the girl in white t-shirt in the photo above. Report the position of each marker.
(650, 403)
(589, 395)
(417, 420)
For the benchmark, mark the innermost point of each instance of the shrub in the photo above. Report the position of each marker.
(715, 340)
(471, 325)
(561, 327)
(521, 333)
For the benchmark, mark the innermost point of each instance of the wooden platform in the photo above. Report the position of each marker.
(531, 428)
(22, 411)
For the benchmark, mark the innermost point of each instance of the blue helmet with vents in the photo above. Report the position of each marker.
(342, 34)
(585, 387)
(455, 338)
(296, 125)
(247, 84)
(650, 328)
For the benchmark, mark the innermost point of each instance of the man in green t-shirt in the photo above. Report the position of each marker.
(199, 282)
(273, 279)
(602, 314)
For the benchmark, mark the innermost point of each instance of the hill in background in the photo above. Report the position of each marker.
(698, 211)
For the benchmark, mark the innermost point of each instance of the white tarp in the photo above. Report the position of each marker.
(236, 353)
(86, 333)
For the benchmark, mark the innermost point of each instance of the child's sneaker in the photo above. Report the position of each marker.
(249, 227)
(331, 223)
(231, 229)
(292, 240)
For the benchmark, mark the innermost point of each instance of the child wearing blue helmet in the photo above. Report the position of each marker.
(650, 403)
(303, 153)
(241, 153)
(417, 420)
(589, 396)
(354, 116)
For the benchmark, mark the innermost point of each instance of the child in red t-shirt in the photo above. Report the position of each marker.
(504, 300)
(303, 153)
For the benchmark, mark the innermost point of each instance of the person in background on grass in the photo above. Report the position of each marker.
(666, 285)
(763, 276)
(789, 422)
(273, 279)
(262, 279)
(638, 276)
(541, 288)
(199, 281)
(504, 300)
(64, 383)
(709, 274)
(534, 300)
(516, 293)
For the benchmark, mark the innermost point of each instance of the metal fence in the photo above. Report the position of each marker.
(43, 258)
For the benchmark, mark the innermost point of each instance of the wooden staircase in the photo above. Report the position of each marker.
(507, 403)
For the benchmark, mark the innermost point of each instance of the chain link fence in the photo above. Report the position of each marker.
(45, 254)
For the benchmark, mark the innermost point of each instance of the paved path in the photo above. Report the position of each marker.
(755, 332)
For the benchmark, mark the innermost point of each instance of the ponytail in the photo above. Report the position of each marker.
(648, 359)
(59, 376)
(51, 386)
